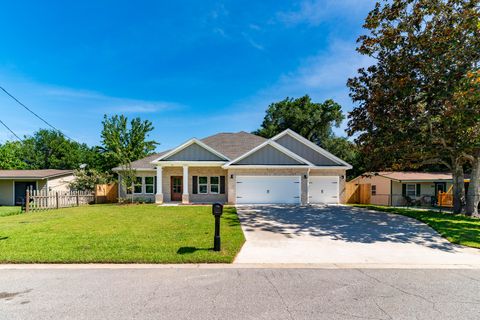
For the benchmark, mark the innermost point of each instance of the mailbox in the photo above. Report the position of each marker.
(217, 209)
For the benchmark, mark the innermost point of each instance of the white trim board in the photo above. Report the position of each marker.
(187, 144)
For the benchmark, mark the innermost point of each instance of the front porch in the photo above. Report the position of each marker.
(190, 184)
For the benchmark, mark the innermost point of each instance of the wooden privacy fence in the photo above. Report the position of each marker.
(445, 199)
(44, 200)
(358, 193)
(106, 193)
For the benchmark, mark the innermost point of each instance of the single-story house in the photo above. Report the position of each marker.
(241, 168)
(14, 183)
(395, 187)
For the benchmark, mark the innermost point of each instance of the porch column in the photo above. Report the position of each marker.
(159, 194)
(185, 195)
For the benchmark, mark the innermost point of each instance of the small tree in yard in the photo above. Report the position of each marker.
(86, 180)
(123, 144)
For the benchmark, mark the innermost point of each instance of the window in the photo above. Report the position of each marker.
(214, 184)
(202, 185)
(149, 185)
(374, 190)
(137, 185)
(411, 190)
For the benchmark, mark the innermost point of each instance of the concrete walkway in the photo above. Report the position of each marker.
(344, 235)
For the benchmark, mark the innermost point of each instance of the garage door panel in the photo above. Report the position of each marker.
(268, 189)
(324, 189)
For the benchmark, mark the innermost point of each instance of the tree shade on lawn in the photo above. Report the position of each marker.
(119, 234)
(455, 228)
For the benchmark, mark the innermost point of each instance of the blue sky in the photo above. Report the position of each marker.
(193, 68)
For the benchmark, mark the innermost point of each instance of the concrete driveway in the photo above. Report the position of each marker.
(343, 235)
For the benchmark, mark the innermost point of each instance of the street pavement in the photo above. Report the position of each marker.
(238, 293)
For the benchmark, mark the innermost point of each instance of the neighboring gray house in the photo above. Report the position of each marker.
(14, 183)
(241, 168)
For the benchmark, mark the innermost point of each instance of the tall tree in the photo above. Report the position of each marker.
(313, 121)
(422, 49)
(12, 156)
(124, 142)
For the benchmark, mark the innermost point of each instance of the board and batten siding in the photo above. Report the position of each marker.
(268, 155)
(305, 151)
(194, 152)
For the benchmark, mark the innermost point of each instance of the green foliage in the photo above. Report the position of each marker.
(313, 121)
(86, 180)
(11, 156)
(123, 143)
(119, 234)
(347, 151)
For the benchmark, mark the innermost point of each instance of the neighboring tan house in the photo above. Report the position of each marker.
(241, 168)
(394, 188)
(14, 183)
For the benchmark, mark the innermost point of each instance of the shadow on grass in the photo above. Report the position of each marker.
(188, 250)
(3, 238)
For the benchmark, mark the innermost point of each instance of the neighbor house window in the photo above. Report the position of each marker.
(149, 184)
(411, 190)
(137, 185)
(214, 184)
(374, 190)
(203, 185)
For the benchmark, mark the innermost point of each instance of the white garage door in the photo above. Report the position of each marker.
(268, 189)
(324, 189)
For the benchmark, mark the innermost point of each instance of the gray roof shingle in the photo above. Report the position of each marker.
(33, 174)
(232, 145)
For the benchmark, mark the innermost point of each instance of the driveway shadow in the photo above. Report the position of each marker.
(341, 223)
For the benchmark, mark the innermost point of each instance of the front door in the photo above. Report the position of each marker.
(440, 187)
(176, 188)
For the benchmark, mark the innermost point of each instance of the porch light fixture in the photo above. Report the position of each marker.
(231, 176)
(342, 177)
(304, 176)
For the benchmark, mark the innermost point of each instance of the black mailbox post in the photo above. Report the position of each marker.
(217, 211)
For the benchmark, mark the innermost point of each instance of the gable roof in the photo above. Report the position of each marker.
(234, 145)
(333, 160)
(34, 174)
(287, 154)
(187, 144)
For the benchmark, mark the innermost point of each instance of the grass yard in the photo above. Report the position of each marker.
(455, 228)
(9, 211)
(119, 234)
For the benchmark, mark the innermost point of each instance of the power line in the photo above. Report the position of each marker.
(36, 115)
(10, 130)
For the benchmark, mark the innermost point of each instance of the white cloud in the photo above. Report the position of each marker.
(314, 12)
(252, 42)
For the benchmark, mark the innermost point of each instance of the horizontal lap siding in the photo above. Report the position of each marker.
(6, 193)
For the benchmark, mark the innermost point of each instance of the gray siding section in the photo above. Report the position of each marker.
(268, 155)
(305, 151)
(194, 152)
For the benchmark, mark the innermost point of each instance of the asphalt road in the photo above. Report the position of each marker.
(231, 293)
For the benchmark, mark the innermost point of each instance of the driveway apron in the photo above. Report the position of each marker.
(344, 235)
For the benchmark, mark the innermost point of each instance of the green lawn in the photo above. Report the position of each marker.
(9, 211)
(455, 228)
(119, 234)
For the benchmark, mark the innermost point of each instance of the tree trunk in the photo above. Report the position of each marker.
(458, 187)
(473, 197)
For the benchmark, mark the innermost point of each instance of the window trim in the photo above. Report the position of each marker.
(202, 184)
(414, 189)
(144, 180)
(135, 184)
(214, 184)
(373, 190)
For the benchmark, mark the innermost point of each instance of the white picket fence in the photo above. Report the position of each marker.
(44, 200)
